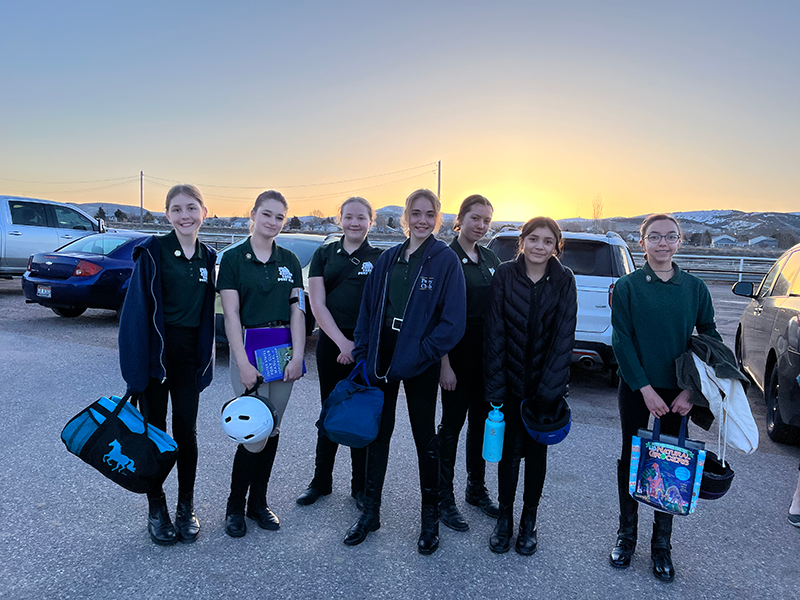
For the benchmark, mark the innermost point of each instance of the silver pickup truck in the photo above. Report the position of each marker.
(31, 225)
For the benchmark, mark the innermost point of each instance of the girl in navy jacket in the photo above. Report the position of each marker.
(166, 345)
(412, 313)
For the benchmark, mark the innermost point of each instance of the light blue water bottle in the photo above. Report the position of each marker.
(493, 435)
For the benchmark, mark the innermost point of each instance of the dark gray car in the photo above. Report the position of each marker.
(768, 343)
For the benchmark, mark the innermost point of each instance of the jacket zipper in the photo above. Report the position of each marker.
(155, 310)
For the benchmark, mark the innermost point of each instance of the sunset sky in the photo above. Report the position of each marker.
(540, 106)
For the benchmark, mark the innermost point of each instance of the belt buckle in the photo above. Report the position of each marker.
(396, 324)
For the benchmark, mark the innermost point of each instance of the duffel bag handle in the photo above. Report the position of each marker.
(681, 435)
(360, 369)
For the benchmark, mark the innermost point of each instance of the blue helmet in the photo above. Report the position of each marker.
(546, 426)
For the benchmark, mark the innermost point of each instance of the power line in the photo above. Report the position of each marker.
(261, 187)
(90, 189)
(64, 182)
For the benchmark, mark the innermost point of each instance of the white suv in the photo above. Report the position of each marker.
(597, 260)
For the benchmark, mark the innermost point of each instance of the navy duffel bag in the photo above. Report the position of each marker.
(351, 415)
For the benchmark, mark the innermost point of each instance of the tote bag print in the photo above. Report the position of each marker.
(665, 476)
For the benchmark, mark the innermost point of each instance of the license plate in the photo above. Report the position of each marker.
(43, 291)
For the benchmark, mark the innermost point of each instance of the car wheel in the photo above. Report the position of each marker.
(69, 313)
(777, 430)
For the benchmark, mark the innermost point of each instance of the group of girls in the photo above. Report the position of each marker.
(417, 313)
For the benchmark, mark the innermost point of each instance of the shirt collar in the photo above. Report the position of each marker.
(339, 246)
(174, 245)
(462, 256)
(247, 249)
(651, 276)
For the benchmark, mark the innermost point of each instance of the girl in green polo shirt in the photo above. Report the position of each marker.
(654, 312)
(261, 286)
(166, 343)
(336, 281)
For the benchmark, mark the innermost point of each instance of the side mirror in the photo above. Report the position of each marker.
(743, 288)
(101, 225)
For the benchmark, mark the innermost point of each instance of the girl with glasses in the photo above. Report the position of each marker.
(654, 312)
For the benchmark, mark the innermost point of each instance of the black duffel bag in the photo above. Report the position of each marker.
(111, 436)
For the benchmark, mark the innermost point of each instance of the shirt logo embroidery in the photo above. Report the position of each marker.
(284, 274)
(203, 275)
(366, 268)
(426, 283)
(491, 270)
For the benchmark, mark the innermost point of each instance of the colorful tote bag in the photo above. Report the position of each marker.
(666, 471)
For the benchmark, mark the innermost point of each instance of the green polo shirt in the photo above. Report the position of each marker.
(653, 323)
(328, 262)
(478, 277)
(402, 278)
(183, 282)
(264, 288)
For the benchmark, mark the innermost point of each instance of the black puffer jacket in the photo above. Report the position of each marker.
(544, 373)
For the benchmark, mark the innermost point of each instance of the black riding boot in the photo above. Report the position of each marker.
(500, 540)
(159, 525)
(186, 523)
(369, 521)
(257, 507)
(476, 493)
(628, 523)
(429, 535)
(660, 547)
(448, 511)
(241, 475)
(526, 540)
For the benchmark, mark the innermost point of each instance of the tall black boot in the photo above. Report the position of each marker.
(429, 535)
(660, 547)
(628, 523)
(241, 476)
(186, 523)
(159, 525)
(257, 507)
(321, 484)
(448, 511)
(526, 540)
(476, 493)
(369, 521)
(500, 540)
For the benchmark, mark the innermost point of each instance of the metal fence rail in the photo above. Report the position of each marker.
(720, 268)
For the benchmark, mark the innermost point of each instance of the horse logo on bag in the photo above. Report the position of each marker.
(117, 459)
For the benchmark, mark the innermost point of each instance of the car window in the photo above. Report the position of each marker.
(302, 248)
(586, 257)
(96, 244)
(505, 247)
(70, 219)
(788, 274)
(624, 261)
(28, 213)
(769, 279)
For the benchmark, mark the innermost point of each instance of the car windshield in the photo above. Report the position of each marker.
(303, 248)
(584, 257)
(103, 244)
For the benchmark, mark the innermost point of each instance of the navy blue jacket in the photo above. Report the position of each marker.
(434, 319)
(141, 324)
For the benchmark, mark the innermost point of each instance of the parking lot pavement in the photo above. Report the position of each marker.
(69, 533)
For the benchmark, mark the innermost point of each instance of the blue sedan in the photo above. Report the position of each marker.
(91, 272)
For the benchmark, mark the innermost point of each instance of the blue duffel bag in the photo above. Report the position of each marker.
(111, 436)
(351, 415)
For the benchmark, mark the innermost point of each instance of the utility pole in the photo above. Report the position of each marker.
(439, 188)
(141, 197)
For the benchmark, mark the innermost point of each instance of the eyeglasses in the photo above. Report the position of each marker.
(654, 238)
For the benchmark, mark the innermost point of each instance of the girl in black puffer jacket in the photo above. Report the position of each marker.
(530, 332)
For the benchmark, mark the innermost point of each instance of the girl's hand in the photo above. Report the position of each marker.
(447, 377)
(346, 356)
(681, 404)
(248, 375)
(294, 370)
(655, 404)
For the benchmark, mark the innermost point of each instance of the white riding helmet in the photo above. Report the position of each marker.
(248, 420)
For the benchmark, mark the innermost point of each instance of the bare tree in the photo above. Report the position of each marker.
(317, 213)
(597, 212)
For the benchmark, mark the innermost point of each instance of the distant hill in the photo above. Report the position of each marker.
(111, 208)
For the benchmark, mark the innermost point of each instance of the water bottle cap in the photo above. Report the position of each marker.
(495, 414)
